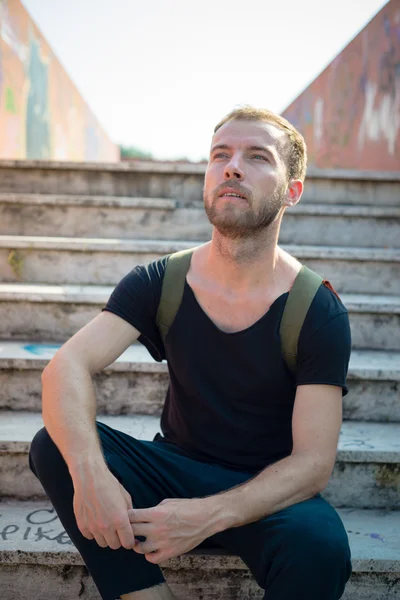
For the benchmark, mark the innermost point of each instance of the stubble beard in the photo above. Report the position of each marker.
(241, 222)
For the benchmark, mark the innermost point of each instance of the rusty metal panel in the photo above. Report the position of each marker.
(350, 114)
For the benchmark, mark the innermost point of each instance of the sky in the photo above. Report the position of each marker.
(159, 75)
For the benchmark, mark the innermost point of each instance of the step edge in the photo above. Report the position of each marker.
(187, 167)
(73, 558)
(358, 457)
(320, 209)
(36, 363)
(99, 295)
(88, 201)
(113, 245)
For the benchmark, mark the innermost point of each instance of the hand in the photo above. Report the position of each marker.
(171, 528)
(101, 507)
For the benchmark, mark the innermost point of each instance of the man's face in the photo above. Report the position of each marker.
(246, 159)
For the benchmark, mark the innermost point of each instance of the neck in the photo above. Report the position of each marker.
(244, 262)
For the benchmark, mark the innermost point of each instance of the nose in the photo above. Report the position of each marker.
(233, 169)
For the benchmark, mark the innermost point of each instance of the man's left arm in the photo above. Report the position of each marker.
(316, 422)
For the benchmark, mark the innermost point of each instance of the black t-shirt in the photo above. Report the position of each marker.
(230, 398)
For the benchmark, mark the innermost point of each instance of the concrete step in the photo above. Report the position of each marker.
(135, 383)
(366, 474)
(39, 561)
(154, 179)
(90, 261)
(56, 312)
(153, 218)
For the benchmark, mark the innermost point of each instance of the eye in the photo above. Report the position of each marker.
(220, 155)
(259, 156)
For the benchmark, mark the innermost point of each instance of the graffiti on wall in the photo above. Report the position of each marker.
(350, 115)
(37, 117)
(42, 115)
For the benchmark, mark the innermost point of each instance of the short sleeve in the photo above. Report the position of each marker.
(323, 355)
(136, 298)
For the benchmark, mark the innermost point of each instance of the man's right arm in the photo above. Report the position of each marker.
(69, 412)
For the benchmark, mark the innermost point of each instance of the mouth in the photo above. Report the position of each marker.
(231, 194)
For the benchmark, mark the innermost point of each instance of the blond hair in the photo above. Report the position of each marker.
(295, 150)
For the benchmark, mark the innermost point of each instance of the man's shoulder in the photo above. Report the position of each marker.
(328, 300)
(326, 306)
(156, 269)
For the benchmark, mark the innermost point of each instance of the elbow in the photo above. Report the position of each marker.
(318, 472)
(48, 381)
(323, 477)
(47, 370)
(58, 364)
(44, 374)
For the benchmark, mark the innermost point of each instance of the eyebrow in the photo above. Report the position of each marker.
(254, 148)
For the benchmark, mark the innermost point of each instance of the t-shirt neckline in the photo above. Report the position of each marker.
(241, 331)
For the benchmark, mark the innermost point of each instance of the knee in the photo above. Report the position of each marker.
(311, 557)
(44, 454)
(330, 546)
(45, 457)
(323, 544)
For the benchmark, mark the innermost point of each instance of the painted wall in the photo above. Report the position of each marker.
(42, 115)
(350, 114)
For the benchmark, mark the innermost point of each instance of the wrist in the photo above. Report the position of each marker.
(220, 514)
(84, 467)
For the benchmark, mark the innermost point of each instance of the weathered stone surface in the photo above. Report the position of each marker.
(374, 330)
(371, 586)
(34, 528)
(183, 184)
(364, 485)
(59, 321)
(74, 583)
(366, 474)
(370, 400)
(301, 227)
(334, 188)
(130, 392)
(95, 261)
(359, 211)
(34, 545)
(154, 218)
(87, 201)
(135, 383)
(58, 312)
(40, 582)
(90, 221)
(183, 181)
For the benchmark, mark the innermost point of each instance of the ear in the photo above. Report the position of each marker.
(294, 192)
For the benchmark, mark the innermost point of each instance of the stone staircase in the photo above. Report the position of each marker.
(68, 233)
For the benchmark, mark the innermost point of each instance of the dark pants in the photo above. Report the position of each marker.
(301, 552)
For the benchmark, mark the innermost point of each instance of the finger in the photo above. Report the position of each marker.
(145, 547)
(100, 540)
(86, 533)
(141, 515)
(156, 557)
(126, 536)
(128, 498)
(112, 539)
(145, 529)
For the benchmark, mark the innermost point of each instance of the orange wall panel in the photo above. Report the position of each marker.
(350, 114)
(42, 114)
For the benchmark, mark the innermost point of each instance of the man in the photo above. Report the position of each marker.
(246, 447)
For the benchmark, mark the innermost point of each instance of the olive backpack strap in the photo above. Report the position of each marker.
(172, 289)
(300, 297)
(297, 305)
